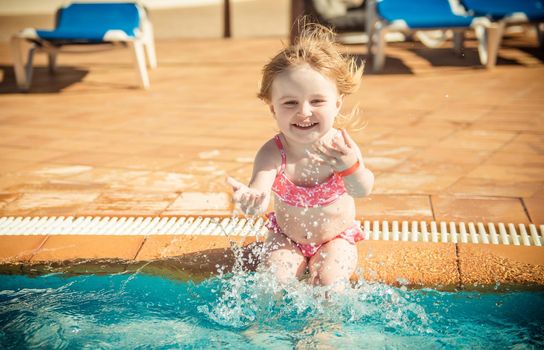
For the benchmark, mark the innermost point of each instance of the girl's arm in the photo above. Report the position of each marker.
(360, 182)
(254, 198)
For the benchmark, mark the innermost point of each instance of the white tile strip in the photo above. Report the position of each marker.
(504, 235)
(513, 234)
(415, 232)
(405, 231)
(493, 234)
(534, 236)
(385, 229)
(424, 232)
(434, 232)
(452, 232)
(482, 233)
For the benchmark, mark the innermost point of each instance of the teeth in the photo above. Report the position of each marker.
(305, 125)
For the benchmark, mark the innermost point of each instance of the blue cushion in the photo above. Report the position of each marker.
(497, 9)
(88, 22)
(422, 13)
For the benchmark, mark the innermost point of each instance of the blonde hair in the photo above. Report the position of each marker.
(317, 48)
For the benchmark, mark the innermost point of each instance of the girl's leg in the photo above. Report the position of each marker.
(333, 263)
(284, 257)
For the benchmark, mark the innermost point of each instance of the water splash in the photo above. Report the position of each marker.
(253, 299)
(151, 312)
(243, 299)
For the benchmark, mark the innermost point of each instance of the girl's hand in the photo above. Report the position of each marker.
(250, 200)
(340, 152)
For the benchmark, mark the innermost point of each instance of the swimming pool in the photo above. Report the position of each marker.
(247, 310)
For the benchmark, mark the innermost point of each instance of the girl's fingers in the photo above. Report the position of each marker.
(347, 139)
(343, 142)
(331, 156)
(237, 196)
(245, 203)
(259, 197)
(321, 157)
(236, 185)
(251, 203)
(341, 146)
(246, 197)
(329, 151)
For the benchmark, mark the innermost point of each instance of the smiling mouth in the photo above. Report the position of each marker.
(305, 126)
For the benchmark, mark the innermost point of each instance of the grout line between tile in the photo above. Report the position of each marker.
(140, 248)
(37, 250)
(171, 203)
(432, 207)
(526, 210)
(493, 152)
(459, 272)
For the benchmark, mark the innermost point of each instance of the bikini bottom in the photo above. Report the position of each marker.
(352, 234)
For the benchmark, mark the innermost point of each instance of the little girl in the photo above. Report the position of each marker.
(313, 169)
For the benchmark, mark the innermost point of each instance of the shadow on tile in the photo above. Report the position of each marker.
(42, 81)
(392, 66)
(446, 57)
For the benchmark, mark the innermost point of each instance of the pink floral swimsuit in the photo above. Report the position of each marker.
(308, 197)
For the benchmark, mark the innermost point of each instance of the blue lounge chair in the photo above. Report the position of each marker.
(89, 24)
(516, 11)
(423, 15)
(509, 12)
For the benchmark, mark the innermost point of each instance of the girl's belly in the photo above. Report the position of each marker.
(315, 225)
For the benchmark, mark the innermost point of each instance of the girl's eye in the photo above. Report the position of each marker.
(318, 101)
(290, 103)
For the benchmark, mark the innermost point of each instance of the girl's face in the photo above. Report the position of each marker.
(305, 103)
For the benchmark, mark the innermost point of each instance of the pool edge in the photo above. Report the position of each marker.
(444, 266)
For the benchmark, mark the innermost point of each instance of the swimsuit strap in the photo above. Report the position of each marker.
(282, 152)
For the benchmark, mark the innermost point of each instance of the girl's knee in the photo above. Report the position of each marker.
(334, 263)
(285, 264)
(328, 278)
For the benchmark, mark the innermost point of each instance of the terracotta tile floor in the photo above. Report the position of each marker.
(446, 139)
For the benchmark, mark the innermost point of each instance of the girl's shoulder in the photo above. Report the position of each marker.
(269, 154)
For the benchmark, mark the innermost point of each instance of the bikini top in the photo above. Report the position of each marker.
(305, 197)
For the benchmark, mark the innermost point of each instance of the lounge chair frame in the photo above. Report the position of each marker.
(510, 19)
(487, 32)
(141, 44)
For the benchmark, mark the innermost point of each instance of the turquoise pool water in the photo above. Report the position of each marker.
(247, 311)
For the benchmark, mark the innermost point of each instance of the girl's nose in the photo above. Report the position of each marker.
(305, 109)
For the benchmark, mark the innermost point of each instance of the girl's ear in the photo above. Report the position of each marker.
(272, 110)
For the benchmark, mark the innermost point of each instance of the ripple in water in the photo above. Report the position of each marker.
(249, 310)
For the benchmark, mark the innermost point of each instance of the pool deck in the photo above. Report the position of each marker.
(446, 139)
